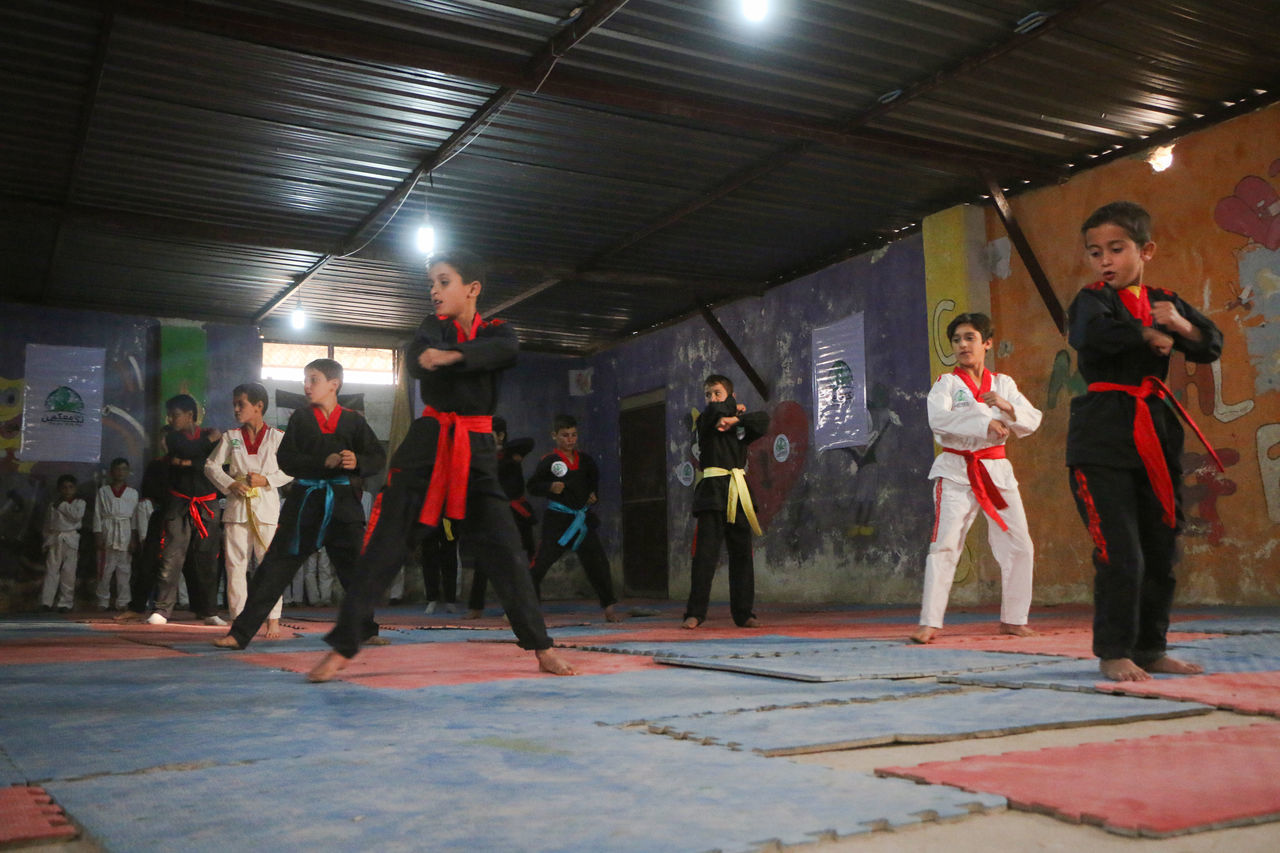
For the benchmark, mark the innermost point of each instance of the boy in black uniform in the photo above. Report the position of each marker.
(328, 450)
(446, 468)
(511, 456)
(722, 504)
(1124, 440)
(190, 513)
(568, 479)
(154, 490)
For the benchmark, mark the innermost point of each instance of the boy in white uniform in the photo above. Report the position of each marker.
(113, 523)
(251, 484)
(62, 546)
(972, 412)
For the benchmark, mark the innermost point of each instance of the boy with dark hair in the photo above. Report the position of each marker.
(114, 508)
(446, 468)
(328, 450)
(722, 504)
(152, 493)
(1124, 440)
(568, 479)
(252, 480)
(190, 514)
(62, 546)
(972, 412)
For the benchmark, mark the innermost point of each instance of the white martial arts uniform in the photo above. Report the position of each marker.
(113, 519)
(959, 421)
(62, 552)
(258, 511)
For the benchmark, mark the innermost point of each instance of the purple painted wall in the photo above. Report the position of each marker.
(812, 548)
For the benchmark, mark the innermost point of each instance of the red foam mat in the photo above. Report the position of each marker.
(409, 667)
(1153, 786)
(81, 648)
(29, 814)
(1246, 692)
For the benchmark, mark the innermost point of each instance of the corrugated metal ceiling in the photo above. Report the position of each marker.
(621, 163)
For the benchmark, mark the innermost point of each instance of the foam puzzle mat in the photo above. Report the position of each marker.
(1096, 782)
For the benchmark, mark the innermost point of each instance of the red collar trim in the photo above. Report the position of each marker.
(476, 323)
(329, 425)
(1139, 304)
(193, 433)
(251, 444)
(976, 389)
(119, 490)
(572, 463)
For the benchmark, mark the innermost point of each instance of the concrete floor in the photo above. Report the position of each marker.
(539, 721)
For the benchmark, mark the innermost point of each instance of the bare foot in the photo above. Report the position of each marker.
(1174, 666)
(129, 616)
(924, 634)
(611, 615)
(228, 642)
(753, 622)
(690, 623)
(1017, 630)
(549, 661)
(1123, 669)
(473, 614)
(273, 629)
(329, 666)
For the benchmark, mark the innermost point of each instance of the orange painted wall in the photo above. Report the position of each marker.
(1209, 247)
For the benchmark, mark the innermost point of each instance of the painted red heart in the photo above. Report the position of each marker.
(1253, 212)
(770, 480)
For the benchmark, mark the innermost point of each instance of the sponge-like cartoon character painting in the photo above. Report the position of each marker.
(11, 426)
(19, 492)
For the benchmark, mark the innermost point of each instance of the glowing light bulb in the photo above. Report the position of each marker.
(755, 11)
(299, 318)
(426, 238)
(1160, 158)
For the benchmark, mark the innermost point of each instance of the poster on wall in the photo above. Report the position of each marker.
(62, 404)
(840, 385)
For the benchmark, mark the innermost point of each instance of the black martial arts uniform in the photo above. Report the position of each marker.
(569, 523)
(1131, 505)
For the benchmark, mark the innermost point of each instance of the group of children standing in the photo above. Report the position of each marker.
(453, 473)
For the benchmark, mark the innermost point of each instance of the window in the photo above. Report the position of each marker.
(360, 365)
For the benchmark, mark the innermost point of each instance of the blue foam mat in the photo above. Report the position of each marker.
(567, 789)
(1249, 624)
(872, 661)
(764, 646)
(976, 713)
(1263, 645)
(1084, 674)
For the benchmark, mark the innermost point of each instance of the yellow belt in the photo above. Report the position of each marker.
(738, 491)
(249, 497)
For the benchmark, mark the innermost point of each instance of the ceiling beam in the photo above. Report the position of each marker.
(532, 76)
(1028, 255)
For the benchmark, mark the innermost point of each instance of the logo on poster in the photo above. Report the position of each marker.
(63, 407)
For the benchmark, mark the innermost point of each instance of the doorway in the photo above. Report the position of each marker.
(643, 428)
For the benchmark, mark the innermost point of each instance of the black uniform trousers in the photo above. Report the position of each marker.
(182, 541)
(479, 583)
(487, 530)
(713, 530)
(342, 541)
(146, 565)
(440, 567)
(590, 553)
(1133, 557)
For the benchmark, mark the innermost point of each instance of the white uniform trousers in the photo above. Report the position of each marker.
(60, 563)
(239, 542)
(117, 564)
(955, 509)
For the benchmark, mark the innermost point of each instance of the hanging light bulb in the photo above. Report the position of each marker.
(755, 11)
(1160, 158)
(426, 231)
(299, 317)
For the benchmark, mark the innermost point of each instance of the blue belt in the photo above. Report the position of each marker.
(577, 530)
(312, 486)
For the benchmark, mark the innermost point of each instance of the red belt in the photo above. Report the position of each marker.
(447, 491)
(984, 488)
(520, 506)
(1148, 443)
(195, 505)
